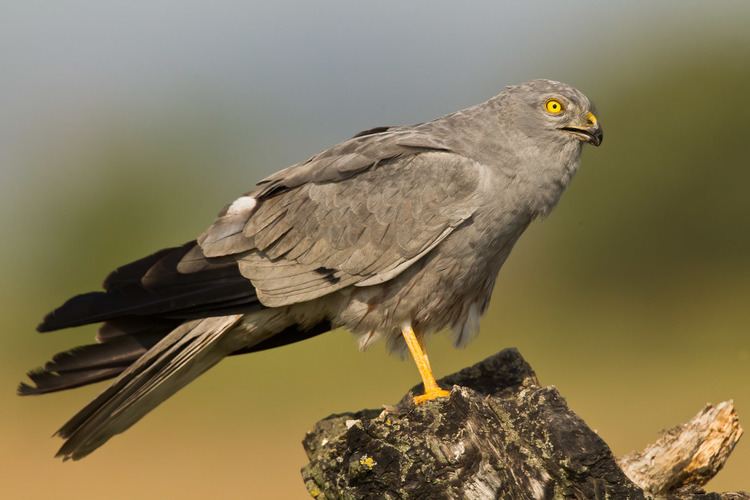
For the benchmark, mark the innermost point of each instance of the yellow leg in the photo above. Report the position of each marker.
(431, 389)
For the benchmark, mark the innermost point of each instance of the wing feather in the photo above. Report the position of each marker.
(358, 214)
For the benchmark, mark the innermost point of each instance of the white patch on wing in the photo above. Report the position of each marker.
(242, 204)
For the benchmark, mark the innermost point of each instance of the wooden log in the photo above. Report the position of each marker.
(499, 434)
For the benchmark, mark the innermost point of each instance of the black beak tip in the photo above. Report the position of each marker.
(597, 137)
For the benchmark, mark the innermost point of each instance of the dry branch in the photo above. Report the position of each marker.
(685, 457)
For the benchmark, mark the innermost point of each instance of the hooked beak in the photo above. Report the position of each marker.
(591, 132)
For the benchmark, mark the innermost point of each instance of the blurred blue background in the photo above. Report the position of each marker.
(126, 126)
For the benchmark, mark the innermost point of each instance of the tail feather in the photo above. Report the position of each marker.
(121, 343)
(164, 324)
(176, 360)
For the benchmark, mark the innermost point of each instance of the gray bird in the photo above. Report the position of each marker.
(394, 234)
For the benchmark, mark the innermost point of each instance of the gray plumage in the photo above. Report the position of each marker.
(398, 225)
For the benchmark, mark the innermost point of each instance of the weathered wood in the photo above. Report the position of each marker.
(499, 435)
(687, 456)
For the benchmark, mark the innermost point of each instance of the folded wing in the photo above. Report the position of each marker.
(359, 214)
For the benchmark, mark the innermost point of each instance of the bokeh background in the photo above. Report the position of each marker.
(125, 126)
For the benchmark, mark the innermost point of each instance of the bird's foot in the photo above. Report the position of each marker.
(431, 394)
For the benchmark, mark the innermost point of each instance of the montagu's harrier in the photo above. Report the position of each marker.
(394, 234)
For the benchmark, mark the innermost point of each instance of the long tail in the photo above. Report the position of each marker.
(162, 328)
(176, 360)
(122, 342)
(141, 303)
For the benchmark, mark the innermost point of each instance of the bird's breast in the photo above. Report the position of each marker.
(538, 182)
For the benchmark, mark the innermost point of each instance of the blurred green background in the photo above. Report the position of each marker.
(126, 126)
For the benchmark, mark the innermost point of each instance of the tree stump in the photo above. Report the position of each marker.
(501, 435)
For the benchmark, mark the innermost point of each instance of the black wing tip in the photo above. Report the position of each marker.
(37, 386)
(46, 380)
(76, 311)
(25, 389)
(47, 324)
(52, 323)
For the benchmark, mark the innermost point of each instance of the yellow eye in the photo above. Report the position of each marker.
(553, 106)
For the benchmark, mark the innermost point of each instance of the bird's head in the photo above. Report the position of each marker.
(555, 110)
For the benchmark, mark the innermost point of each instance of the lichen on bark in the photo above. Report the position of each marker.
(499, 434)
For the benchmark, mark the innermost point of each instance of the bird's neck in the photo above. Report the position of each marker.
(540, 179)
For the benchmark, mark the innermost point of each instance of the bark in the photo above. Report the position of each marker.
(502, 435)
